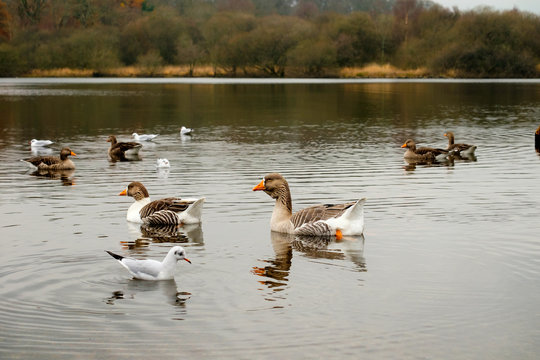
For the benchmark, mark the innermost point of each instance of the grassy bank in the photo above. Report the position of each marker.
(369, 71)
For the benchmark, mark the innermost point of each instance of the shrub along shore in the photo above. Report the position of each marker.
(170, 71)
(264, 38)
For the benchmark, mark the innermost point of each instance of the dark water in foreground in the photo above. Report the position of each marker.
(449, 265)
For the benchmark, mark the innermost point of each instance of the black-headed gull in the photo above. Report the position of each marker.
(149, 269)
(144, 137)
(185, 131)
(40, 143)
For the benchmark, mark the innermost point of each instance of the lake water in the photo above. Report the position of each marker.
(448, 267)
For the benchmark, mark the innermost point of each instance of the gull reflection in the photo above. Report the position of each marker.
(41, 151)
(136, 288)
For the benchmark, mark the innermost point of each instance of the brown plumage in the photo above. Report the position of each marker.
(164, 211)
(324, 219)
(61, 162)
(422, 153)
(461, 149)
(119, 150)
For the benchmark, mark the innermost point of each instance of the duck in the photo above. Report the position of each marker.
(149, 269)
(185, 131)
(119, 150)
(167, 211)
(53, 162)
(40, 143)
(423, 153)
(460, 149)
(318, 220)
(144, 137)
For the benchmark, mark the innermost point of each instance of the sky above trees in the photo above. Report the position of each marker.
(523, 5)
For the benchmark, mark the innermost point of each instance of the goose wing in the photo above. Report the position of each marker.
(47, 160)
(169, 204)
(318, 212)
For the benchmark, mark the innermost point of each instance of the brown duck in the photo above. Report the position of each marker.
(422, 153)
(119, 150)
(53, 162)
(461, 149)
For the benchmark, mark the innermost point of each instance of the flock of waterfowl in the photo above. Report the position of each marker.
(334, 220)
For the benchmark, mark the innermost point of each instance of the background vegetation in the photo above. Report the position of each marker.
(264, 38)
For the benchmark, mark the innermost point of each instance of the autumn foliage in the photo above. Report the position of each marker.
(275, 38)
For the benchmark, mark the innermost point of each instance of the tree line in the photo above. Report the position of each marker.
(274, 38)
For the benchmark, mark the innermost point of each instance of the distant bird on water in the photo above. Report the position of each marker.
(149, 269)
(459, 149)
(119, 150)
(185, 131)
(40, 143)
(53, 162)
(144, 137)
(537, 139)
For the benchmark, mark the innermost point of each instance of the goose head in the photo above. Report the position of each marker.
(274, 185)
(410, 144)
(112, 139)
(450, 136)
(65, 152)
(136, 190)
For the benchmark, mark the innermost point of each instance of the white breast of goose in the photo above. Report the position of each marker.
(133, 213)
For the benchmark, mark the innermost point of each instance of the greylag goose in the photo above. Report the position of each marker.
(40, 143)
(119, 150)
(319, 220)
(461, 149)
(53, 162)
(185, 131)
(423, 153)
(167, 211)
(149, 269)
(144, 137)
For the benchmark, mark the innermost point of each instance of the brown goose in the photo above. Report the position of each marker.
(167, 211)
(319, 220)
(461, 149)
(53, 162)
(422, 153)
(119, 150)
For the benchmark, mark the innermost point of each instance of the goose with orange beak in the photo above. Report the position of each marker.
(63, 162)
(318, 220)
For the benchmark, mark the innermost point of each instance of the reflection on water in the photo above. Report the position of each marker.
(438, 236)
(277, 272)
(135, 288)
(65, 176)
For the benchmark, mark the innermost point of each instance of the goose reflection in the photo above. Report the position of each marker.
(65, 176)
(135, 288)
(188, 233)
(276, 273)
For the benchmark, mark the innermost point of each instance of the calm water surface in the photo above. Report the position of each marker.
(448, 267)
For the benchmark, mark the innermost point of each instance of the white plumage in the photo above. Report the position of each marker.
(40, 143)
(144, 137)
(149, 269)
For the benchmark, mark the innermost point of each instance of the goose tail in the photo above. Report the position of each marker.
(192, 215)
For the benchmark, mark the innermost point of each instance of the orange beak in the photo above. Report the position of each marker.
(445, 134)
(260, 186)
(189, 261)
(404, 145)
(123, 193)
(73, 154)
